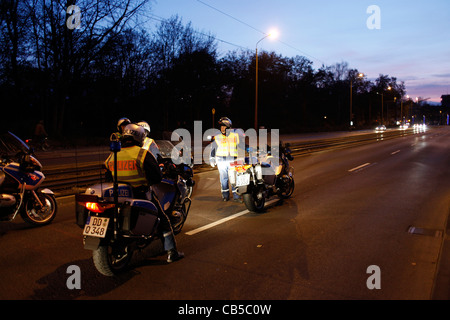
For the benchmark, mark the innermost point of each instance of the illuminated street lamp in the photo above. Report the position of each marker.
(272, 34)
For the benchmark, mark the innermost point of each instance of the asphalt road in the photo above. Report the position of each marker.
(383, 206)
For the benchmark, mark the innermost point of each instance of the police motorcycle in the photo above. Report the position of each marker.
(258, 177)
(20, 184)
(115, 223)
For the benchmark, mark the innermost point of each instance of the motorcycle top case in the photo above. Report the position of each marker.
(139, 218)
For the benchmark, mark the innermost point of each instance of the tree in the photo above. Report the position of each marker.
(60, 56)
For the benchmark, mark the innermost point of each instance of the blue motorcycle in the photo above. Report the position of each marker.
(20, 184)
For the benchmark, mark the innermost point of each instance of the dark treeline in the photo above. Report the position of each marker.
(81, 81)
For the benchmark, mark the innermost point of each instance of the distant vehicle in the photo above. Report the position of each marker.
(419, 127)
(404, 126)
(380, 128)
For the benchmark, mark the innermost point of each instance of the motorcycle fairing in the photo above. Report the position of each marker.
(165, 192)
(31, 179)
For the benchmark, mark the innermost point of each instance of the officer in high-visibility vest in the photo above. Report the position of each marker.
(149, 143)
(138, 167)
(224, 150)
(121, 124)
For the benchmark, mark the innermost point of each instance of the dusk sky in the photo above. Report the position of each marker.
(409, 40)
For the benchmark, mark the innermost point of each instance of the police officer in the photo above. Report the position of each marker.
(138, 167)
(149, 144)
(224, 150)
(121, 124)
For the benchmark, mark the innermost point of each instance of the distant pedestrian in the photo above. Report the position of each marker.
(39, 131)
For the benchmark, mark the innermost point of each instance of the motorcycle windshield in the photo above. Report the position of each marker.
(166, 149)
(10, 144)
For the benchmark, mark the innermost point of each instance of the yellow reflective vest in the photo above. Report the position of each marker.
(130, 166)
(227, 145)
(150, 145)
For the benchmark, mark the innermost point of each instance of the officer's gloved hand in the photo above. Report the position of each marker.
(212, 162)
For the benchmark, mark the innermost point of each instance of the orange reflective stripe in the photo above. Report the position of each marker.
(124, 165)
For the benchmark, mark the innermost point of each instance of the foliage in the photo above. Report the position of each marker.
(81, 81)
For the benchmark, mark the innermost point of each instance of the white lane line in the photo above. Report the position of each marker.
(395, 152)
(216, 223)
(360, 167)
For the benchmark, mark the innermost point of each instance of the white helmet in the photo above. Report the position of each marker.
(144, 125)
(122, 122)
(224, 121)
(134, 131)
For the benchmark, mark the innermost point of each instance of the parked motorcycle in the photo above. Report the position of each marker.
(115, 223)
(20, 180)
(258, 178)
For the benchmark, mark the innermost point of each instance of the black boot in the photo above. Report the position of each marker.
(174, 255)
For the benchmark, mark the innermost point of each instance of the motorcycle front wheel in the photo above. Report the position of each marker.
(287, 189)
(112, 259)
(38, 215)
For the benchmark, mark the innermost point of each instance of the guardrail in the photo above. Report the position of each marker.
(67, 181)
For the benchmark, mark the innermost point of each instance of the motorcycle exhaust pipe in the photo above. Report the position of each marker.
(7, 200)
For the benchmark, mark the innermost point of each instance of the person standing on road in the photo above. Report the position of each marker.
(224, 150)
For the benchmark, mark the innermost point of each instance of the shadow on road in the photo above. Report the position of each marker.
(93, 284)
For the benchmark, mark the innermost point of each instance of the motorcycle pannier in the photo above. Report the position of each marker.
(140, 218)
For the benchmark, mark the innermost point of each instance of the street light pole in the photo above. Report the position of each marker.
(271, 34)
(256, 82)
(360, 75)
(382, 104)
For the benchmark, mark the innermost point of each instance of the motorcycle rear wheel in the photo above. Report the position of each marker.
(253, 203)
(112, 260)
(36, 216)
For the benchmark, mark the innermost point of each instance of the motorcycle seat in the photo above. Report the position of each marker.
(265, 165)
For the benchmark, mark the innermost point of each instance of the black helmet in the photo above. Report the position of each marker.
(224, 121)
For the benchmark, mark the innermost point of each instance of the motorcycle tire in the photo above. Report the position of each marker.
(288, 190)
(36, 216)
(109, 262)
(252, 203)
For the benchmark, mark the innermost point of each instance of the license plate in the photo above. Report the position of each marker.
(96, 227)
(242, 179)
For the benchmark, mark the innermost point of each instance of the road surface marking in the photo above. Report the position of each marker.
(395, 152)
(360, 167)
(216, 223)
